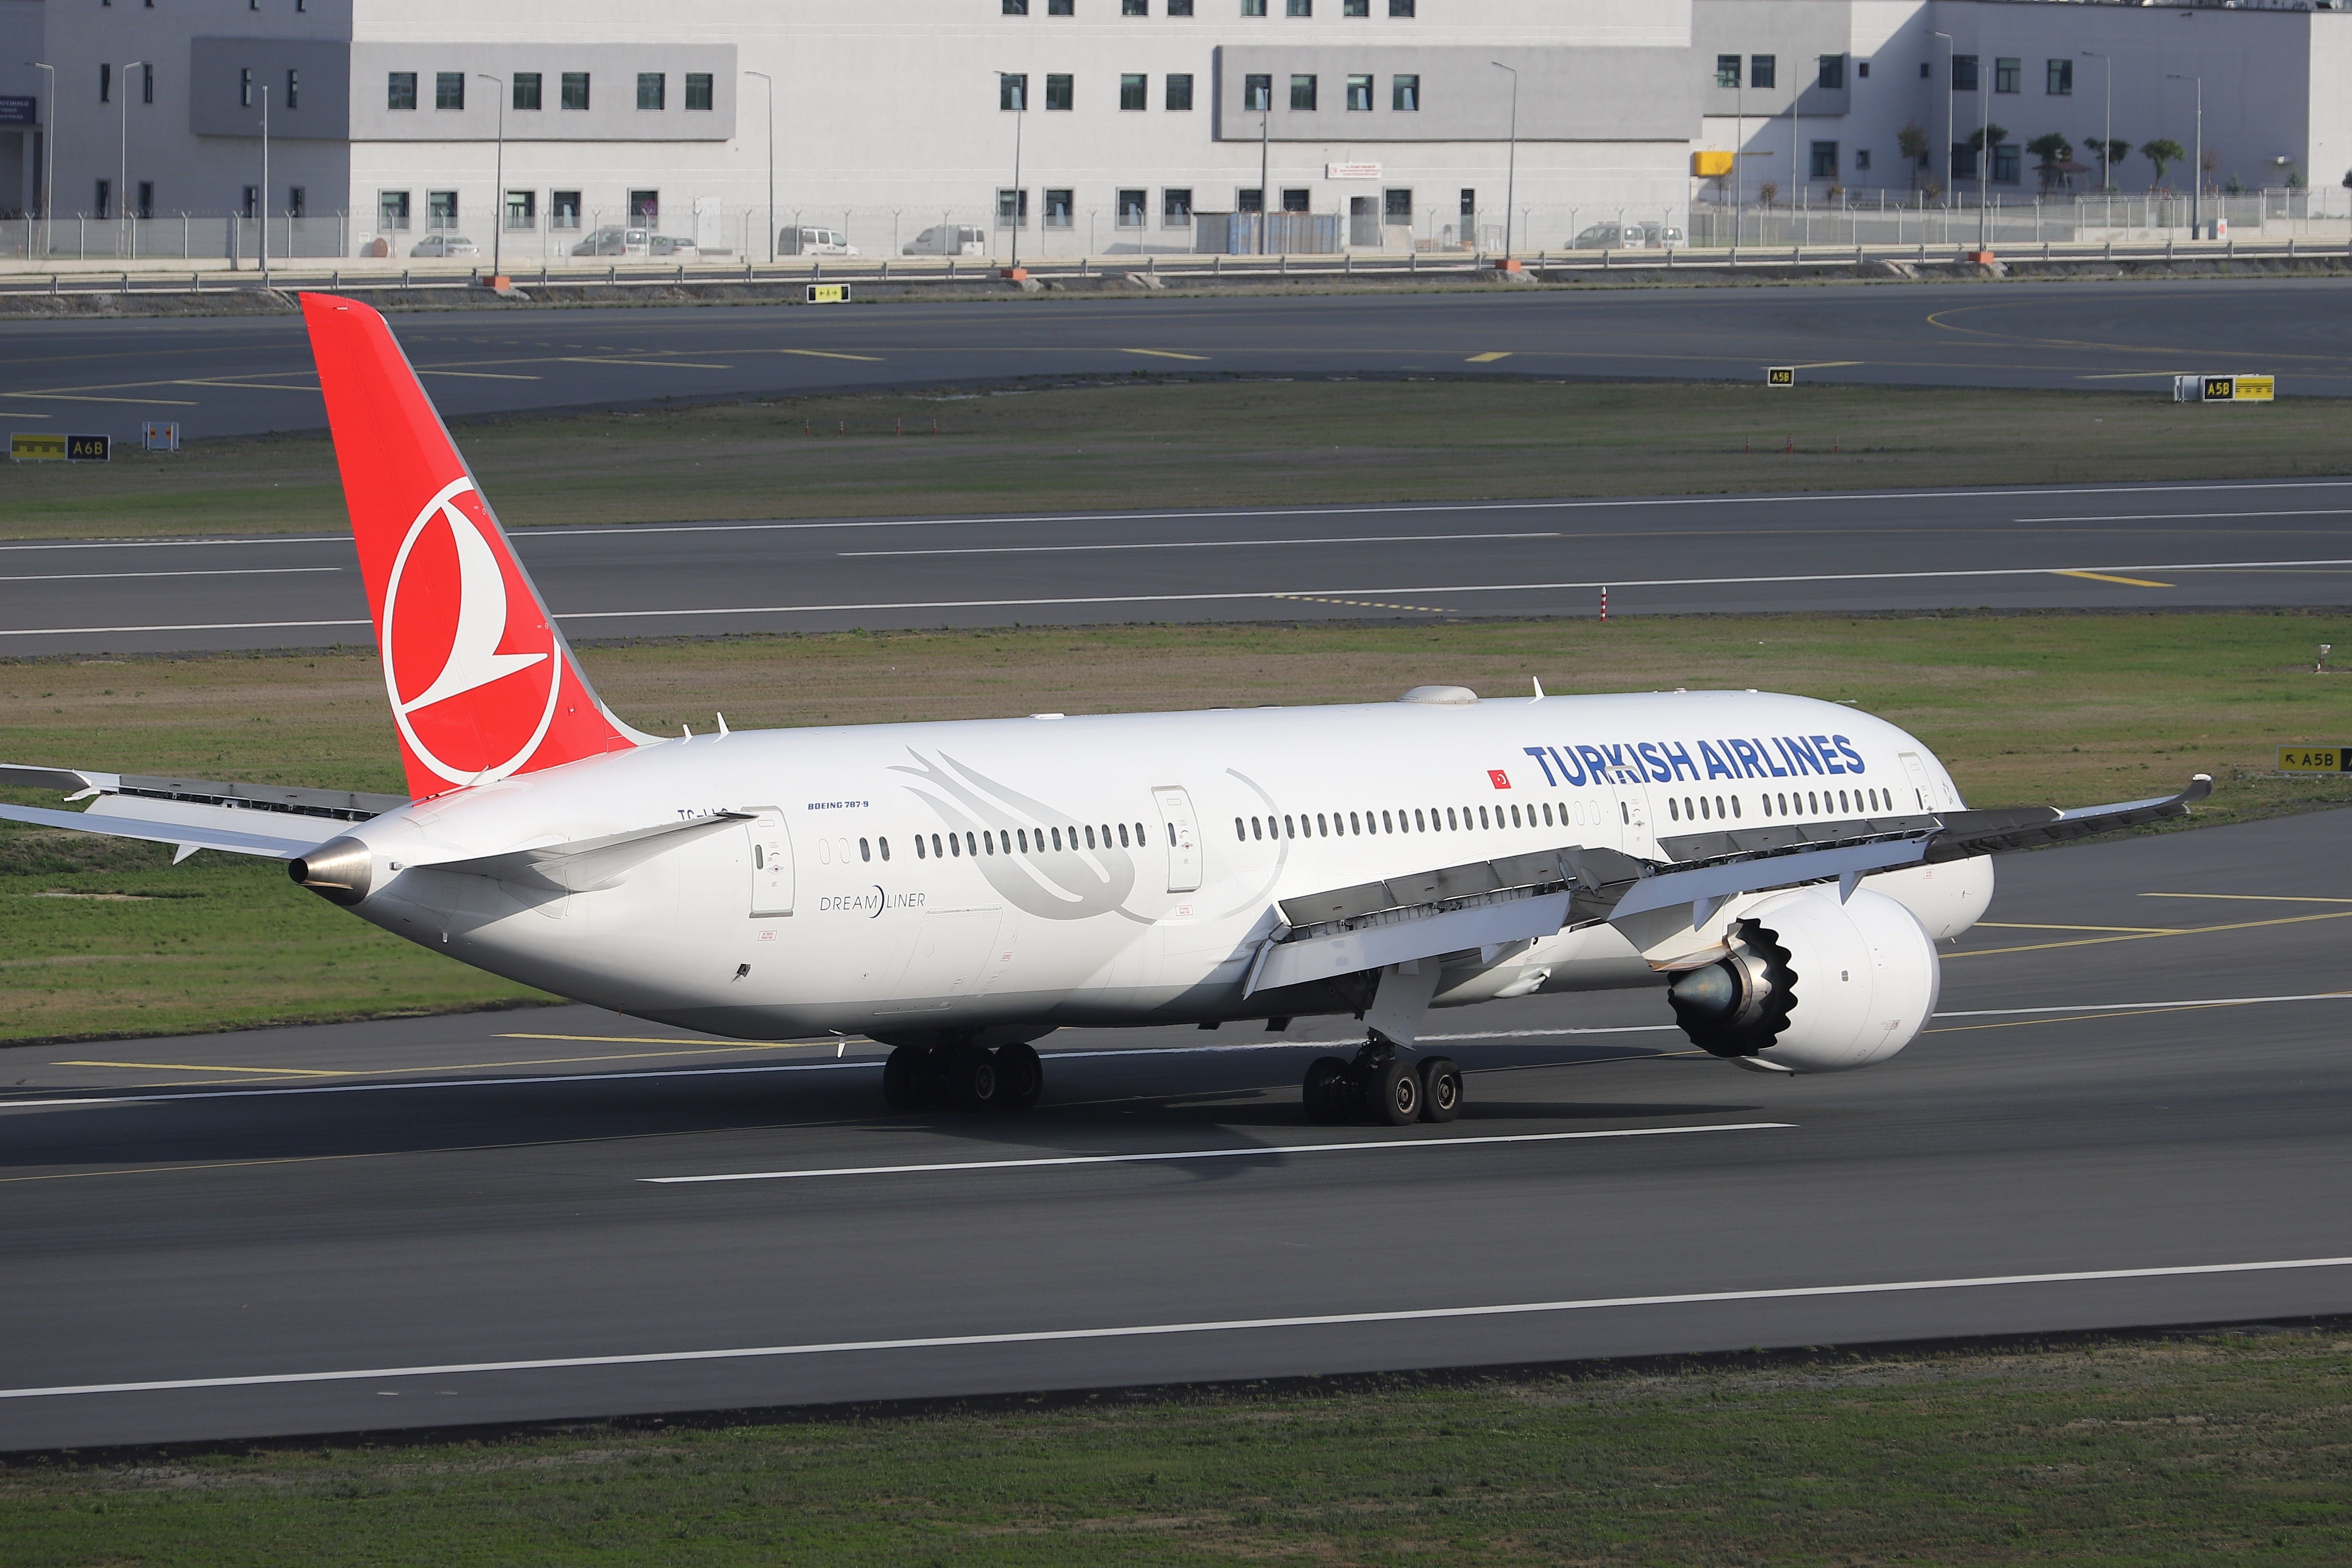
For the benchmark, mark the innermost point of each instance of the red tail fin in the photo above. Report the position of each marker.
(482, 684)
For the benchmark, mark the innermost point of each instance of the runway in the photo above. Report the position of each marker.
(228, 376)
(2156, 546)
(2128, 1111)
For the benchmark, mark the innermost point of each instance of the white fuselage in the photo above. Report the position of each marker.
(1120, 870)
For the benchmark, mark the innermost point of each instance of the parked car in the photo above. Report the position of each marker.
(812, 241)
(1628, 237)
(445, 245)
(948, 240)
(617, 242)
(671, 245)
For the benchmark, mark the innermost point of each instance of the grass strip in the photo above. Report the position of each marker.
(1165, 442)
(101, 938)
(2222, 1449)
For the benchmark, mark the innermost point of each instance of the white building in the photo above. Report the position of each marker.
(1129, 118)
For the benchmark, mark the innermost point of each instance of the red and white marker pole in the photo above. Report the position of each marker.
(1604, 601)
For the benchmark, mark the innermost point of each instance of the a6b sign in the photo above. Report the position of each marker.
(89, 448)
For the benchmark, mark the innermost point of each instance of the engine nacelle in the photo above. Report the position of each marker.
(1814, 985)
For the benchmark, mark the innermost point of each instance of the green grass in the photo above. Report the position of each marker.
(2060, 708)
(2214, 1450)
(1153, 441)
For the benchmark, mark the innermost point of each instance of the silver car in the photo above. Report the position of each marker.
(948, 240)
(445, 245)
(617, 242)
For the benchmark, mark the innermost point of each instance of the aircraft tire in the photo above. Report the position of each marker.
(1325, 1090)
(974, 1079)
(904, 1075)
(1441, 1089)
(1395, 1094)
(1019, 1076)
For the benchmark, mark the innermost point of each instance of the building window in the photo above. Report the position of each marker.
(440, 209)
(1825, 165)
(400, 90)
(697, 92)
(449, 90)
(1012, 91)
(1180, 7)
(297, 202)
(391, 211)
(1762, 69)
(1257, 93)
(1964, 161)
(106, 83)
(1293, 198)
(1396, 206)
(1357, 8)
(644, 207)
(1302, 93)
(1133, 87)
(1135, 7)
(1060, 9)
(2007, 76)
(526, 89)
(1180, 92)
(251, 205)
(1252, 200)
(1727, 71)
(564, 209)
(2008, 167)
(1130, 209)
(1016, 8)
(1405, 93)
(2058, 80)
(653, 91)
(244, 87)
(1924, 71)
(147, 85)
(1861, 158)
(104, 203)
(1059, 95)
(1400, 7)
(1359, 93)
(575, 90)
(1964, 73)
(147, 197)
(1833, 74)
(1176, 209)
(1298, 7)
(1013, 209)
(1253, 8)
(522, 209)
(1061, 209)
(1469, 203)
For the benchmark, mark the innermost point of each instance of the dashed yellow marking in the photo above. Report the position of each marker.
(479, 374)
(2252, 898)
(819, 354)
(2186, 930)
(2027, 925)
(2105, 577)
(202, 1066)
(1359, 604)
(1487, 358)
(655, 364)
(1163, 353)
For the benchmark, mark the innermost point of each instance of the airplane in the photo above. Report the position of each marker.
(1781, 868)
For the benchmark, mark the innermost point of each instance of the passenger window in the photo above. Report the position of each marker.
(1289, 827)
(1388, 823)
(1718, 806)
(921, 853)
(1254, 829)
(864, 850)
(1674, 810)
(1420, 823)
(1057, 839)
(1139, 839)
(886, 848)
(1701, 807)
(1735, 806)
(972, 842)
(1090, 835)
(1241, 833)
(954, 848)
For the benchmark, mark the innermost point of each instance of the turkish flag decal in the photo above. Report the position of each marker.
(1500, 779)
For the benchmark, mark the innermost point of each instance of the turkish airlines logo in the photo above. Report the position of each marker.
(440, 647)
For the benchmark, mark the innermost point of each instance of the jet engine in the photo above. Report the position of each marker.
(1813, 985)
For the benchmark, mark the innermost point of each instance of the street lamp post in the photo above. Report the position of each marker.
(122, 179)
(1739, 145)
(1511, 174)
(261, 207)
(498, 183)
(2107, 136)
(49, 160)
(764, 76)
(2197, 157)
(1984, 150)
(1020, 113)
(1264, 150)
(1951, 137)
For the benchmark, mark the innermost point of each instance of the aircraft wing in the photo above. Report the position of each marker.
(1489, 903)
(277, 821)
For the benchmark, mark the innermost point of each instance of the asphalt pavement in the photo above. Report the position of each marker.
(238, 375)
(2153, 546)
(2129, 1112)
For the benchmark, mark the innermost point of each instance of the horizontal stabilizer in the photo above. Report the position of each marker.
(189, 836)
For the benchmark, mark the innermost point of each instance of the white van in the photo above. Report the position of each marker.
(812, 241)
(948, 240)
(617, 242)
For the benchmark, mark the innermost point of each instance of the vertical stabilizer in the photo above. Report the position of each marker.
(482, 684)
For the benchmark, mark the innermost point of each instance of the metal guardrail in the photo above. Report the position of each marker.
(1165, 270)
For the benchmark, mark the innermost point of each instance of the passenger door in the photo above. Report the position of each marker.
(771, 864)
(1182, 833)
(1921, 789)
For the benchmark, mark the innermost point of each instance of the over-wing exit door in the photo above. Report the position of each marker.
(772, 863)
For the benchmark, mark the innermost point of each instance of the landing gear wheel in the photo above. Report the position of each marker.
(1326, 1089)
(906, 1079)
(1019, 1076)
(1395, 1094)
(972, 1078)
(1441, 1090)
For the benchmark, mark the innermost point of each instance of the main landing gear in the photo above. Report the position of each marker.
(1382, 1088)
(962, 1076)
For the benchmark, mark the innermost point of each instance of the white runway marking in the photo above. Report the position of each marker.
(1187, 1154)
(215, 572)
(2192, 516)
(1205, 1326)
(194, 627)
(1192, 544)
